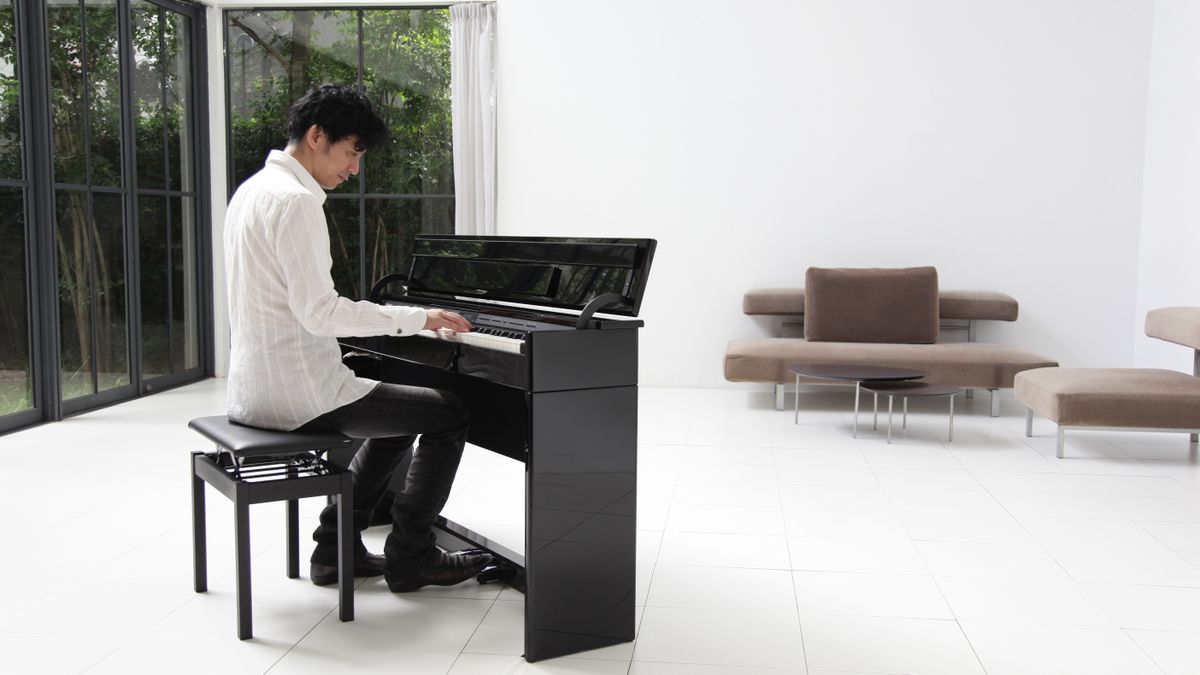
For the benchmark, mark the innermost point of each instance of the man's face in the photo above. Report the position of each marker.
(335, 162)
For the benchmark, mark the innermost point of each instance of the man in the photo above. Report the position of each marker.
(285, 369)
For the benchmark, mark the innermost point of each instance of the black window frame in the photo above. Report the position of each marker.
(32, 24)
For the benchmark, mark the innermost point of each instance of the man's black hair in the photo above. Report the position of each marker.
(341, 111)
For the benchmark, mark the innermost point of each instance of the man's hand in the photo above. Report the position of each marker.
(437, 319)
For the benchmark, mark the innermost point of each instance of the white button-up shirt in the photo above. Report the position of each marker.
(285, 366)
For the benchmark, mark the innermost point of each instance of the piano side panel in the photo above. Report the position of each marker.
(584, 359)
(581, 521)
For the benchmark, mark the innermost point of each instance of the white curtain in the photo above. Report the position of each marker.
(473, 113)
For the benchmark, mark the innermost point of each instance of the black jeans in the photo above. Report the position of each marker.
(390, 418)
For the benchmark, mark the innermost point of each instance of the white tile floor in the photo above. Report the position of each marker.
(763, 547)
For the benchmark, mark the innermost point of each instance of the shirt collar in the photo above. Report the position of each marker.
(282, 159)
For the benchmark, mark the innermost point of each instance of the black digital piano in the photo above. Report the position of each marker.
(553, 384)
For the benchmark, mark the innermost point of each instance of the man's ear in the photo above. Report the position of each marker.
(313, 137)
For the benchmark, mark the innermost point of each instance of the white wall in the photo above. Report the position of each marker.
(1000, 141)
(1170, 250)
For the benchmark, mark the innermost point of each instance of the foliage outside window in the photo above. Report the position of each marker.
(401, 59)
(16, 392)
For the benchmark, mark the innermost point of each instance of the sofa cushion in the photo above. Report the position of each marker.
(962, 364)
(1180, 325)
(871, 305)
(1112, 397)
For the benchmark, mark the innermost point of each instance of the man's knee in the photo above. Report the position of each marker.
(457, 414)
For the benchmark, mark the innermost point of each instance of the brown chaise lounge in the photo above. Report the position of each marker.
(1132, 399)
(880, 317)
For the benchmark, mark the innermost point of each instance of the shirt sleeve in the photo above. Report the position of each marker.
(302, 249)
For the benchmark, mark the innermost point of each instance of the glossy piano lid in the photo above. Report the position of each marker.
(564, 272)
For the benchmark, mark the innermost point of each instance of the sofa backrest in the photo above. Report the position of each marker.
(871, 304)
(1180, 325)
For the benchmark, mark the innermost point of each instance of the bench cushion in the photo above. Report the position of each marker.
(1112, 397)
(962, 364)
(247, 441)
(871, 305)
(1180, 325)
(970, 305)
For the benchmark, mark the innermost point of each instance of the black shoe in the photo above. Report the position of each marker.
(439, 569)
(365, 565)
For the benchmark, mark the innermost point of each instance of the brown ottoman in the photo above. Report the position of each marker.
(1139, 399)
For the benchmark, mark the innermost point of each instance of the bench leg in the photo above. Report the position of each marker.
(241, 527)
(1194, 438)
(970, 393)
(199, 537)
(345, 513)
(1029, 423)
(995, 402)
(293, 538)
(779, 389)
(1062, 441)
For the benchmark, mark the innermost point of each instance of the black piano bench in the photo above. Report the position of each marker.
(252, 466)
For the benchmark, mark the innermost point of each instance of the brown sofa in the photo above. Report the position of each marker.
(1136, 399)
(880, 317)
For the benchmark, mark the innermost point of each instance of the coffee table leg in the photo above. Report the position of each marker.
(796, 420)
(856, 389)
(890, 397)
(875, 421)
(951, 418)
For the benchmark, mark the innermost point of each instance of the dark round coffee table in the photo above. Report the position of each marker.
(844, 372)
(906, 389)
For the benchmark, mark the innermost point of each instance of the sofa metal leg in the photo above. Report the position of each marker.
(857, 390)
(779, 389)
(796, 401)
(890, 398)
(995, 402)
(1029, 423)
(1062, 441)
(950, 435)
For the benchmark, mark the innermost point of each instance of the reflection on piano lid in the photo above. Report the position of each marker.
(560, 272)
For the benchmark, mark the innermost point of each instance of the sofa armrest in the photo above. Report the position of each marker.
(973, 305)
(773, 301)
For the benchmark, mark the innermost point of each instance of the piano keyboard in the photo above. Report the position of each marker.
(488, 338)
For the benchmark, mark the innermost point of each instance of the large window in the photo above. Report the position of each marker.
(16, 359)
(103, 283)
(401, 59)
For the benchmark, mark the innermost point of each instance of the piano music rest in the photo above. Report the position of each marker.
(252, 466)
